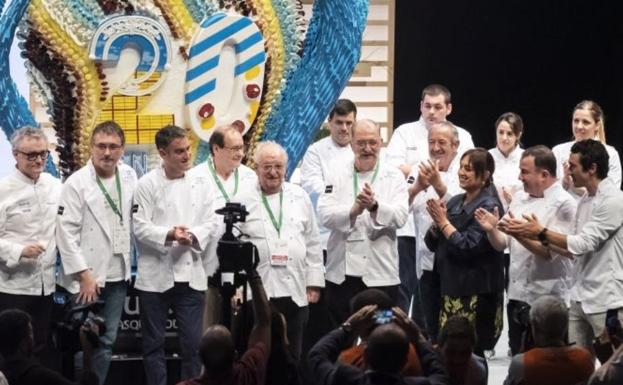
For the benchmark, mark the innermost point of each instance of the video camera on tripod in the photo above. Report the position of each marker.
(235, 257)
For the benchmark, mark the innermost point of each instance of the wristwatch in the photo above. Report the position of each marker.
(374, 207)
(542, 237)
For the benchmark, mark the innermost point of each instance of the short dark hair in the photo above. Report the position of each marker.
(481, 162)
(457, 327)
(14, 328)
(109, 127)
(544, 158)
(168, 134)
(387, 348)
(592, 151)
(343, 107)
(371, 297)
(437, 89)
(218, 137)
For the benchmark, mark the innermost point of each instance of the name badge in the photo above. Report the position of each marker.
(279, 253)
(121, 239)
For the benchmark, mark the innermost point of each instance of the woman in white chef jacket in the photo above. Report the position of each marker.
(507, 154)
(587, 123)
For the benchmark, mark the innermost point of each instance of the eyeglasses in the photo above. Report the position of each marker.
(103, 146)
(32, 156)
(363, 143)
(235, 148)
(270, 167)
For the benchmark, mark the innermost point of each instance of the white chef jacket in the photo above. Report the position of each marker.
(27, 216)
(409, 145)
(369, 248)
(425, 259)
(160, 204)
(531, 276)
(598, 248)
(246, 179)
(84, 235)
(563, 151)
(507, 172)
(322, 159)
(304, 266)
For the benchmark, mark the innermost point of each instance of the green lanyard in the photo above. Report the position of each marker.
(112, 204)
(218, 182)
(276, 225)
(356, 179)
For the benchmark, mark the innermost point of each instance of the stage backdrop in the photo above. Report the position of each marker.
(537, 58)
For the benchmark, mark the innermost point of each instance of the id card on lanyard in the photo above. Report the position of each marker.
(278, 247)
(121, 232)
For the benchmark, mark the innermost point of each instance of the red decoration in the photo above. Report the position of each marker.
(206, 110)
(253, 91)
(239, 125)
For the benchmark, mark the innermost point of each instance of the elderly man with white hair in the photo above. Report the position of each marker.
(363, 205)
(282, 225)
(28, 203)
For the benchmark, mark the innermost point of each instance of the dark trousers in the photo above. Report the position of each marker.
(339, 296)
(296, 321)
(319, 323)
(409, 292)
(39, 307)
(187, 304)
(430, 295)
(517, 314)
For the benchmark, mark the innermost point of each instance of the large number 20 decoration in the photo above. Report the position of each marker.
(212, 97)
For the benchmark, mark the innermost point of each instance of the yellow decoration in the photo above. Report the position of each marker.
(253, 107)
(208, 123)
(252, 73)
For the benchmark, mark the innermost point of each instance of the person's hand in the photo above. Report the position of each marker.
(366, 196)
(528, 227)
(357, 208)
(362, 319)
(181, 235)
(507, 196)
(434, 176)
(401, 319)
(313, 294)
(437, 210)
(32, 251)
(487, 221)
(89, 290)
(406, 169)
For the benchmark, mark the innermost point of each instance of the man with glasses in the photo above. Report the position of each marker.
(93, 233)
(281, 223)
(227, 175)
(28, 203)
(173, 222)
(363, 205)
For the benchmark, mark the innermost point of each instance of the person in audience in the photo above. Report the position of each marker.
(363, 204)
(28, 209)
(281, 223)
(611, 372)
(434, 178)
(386, 352)
(552, 361)
(534, 269)
(355, 355)
(456, 347)
(20, 366)
(470, 269)
(217, 349)
(587, 123)
(283, 368)
(596, 244)
(407, 148)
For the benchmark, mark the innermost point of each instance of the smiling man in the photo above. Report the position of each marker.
(28, 203)
(173, 222)
(363, 205)
(93, 233)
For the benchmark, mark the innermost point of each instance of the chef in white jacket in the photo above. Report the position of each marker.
(227, 176)
(281, 223)
(173, 222)
(363, 205)
(93, 233)
(28, 203)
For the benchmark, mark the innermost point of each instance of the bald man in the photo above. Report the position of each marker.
(363, 205)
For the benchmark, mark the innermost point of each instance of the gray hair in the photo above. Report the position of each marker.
(450, 127)
(27, 132)
(549, 317)
(365, 122)
(266, 147)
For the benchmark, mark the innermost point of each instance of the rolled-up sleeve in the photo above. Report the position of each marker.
(606, 218)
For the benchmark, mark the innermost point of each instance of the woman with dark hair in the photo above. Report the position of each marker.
(470, 269)
(507, 154)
